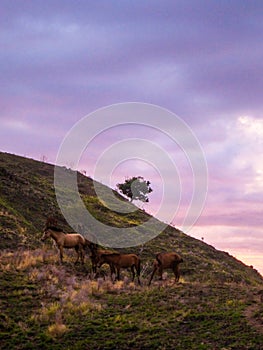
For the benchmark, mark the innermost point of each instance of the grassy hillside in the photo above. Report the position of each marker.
(216, 305)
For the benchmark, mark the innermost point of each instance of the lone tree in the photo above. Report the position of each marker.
(136, 188)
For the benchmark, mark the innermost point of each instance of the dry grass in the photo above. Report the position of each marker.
(71, 305)
(75, 294)
(21, 259)
(57, 330)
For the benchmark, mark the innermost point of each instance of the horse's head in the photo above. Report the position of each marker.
(46, 234)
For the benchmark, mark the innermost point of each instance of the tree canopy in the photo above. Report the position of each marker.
(136, 188)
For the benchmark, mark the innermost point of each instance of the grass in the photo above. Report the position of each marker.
(45, 305)
(50, 306)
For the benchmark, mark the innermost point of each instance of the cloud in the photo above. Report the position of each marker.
(189, 53)
(201, 61)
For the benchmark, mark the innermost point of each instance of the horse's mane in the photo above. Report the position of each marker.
(51, 221)
(54, 228)
(52, 224)
(111, 254)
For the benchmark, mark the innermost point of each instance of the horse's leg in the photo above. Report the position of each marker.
(94, 267)
(61, 253)
(138, 270)
(176, 273)
(133, 272)
(118, 273)
(160, 270)
(82, 254)
(154, 270)
(112, 271)
(93, 263)
(77, 251)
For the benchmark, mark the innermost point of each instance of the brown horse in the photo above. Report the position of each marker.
(95, 258)
(66, 240)
(118, 261)
(167, 261)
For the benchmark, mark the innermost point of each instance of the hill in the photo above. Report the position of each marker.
(217, 300)
(27, 198)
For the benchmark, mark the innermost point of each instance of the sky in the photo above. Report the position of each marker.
(202, 60)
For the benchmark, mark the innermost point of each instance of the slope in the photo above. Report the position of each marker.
(27, 198)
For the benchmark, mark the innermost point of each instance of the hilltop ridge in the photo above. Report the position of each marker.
(27, 197)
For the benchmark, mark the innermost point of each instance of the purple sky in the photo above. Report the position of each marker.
(202, 60)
